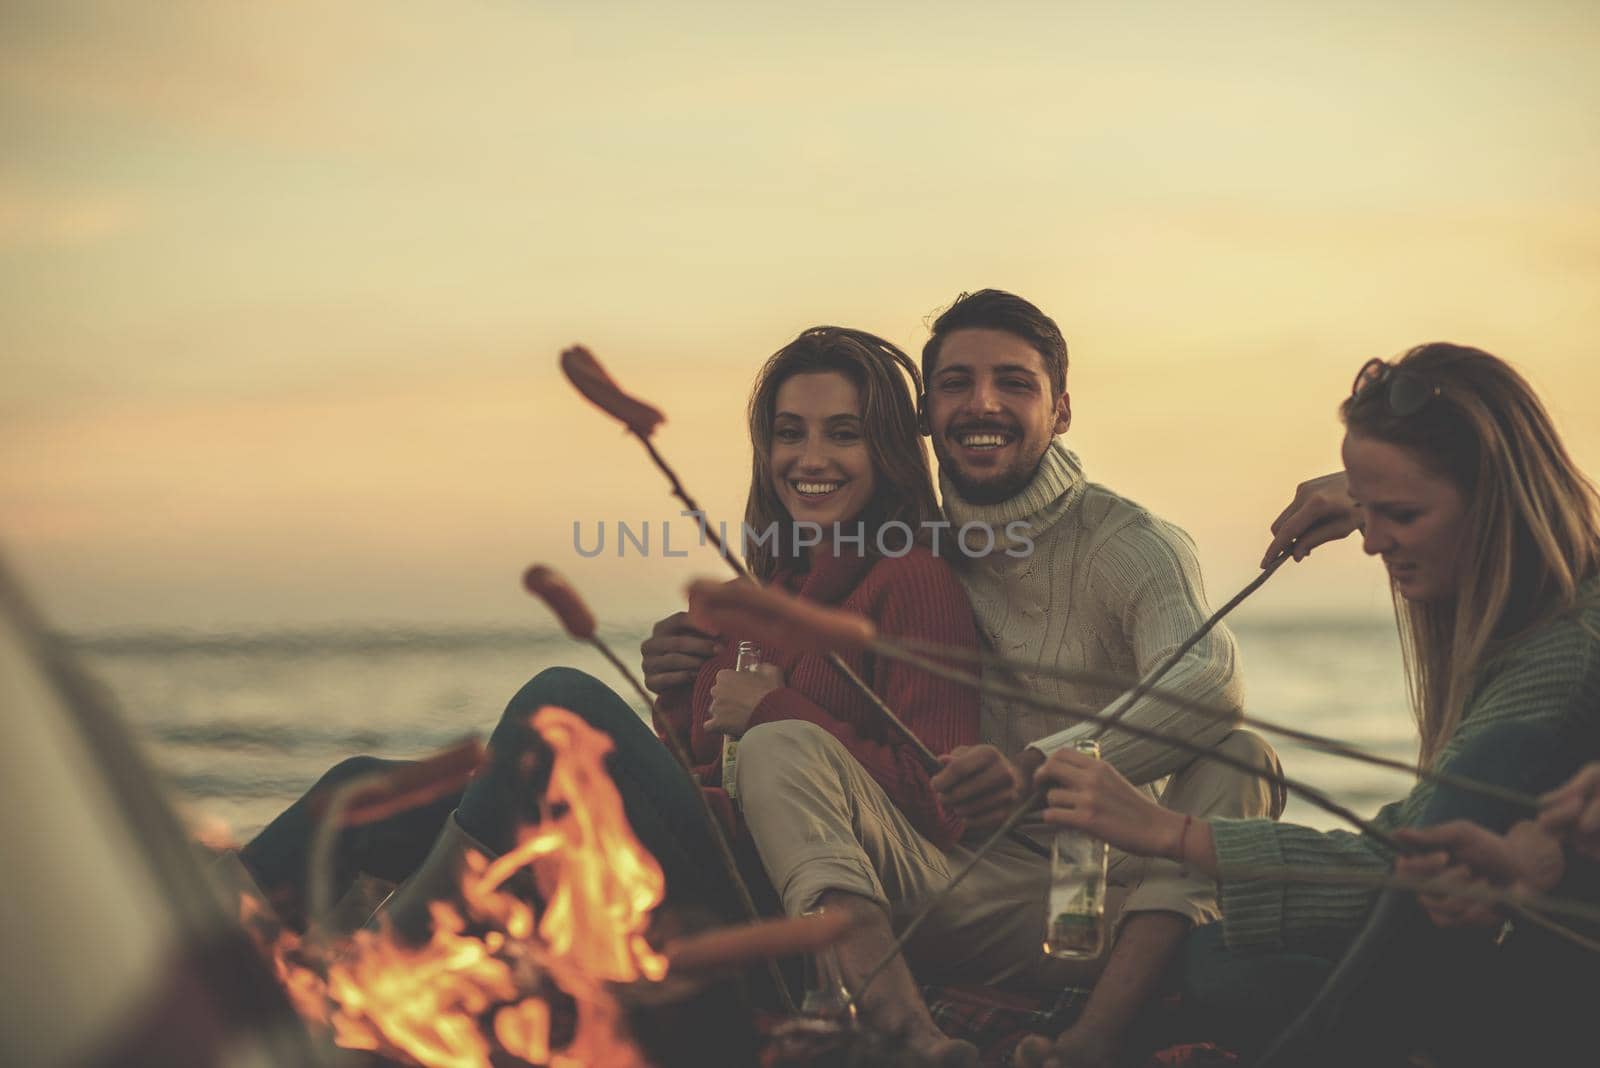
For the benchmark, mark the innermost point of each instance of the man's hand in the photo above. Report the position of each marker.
(734, 697)
(673, 653)
(1572, 811)
(1525, 858)
(979, 784)
(1321, 511)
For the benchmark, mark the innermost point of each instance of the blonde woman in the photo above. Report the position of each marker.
(1458, 481)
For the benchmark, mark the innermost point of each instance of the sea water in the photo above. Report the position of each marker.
(240, 724)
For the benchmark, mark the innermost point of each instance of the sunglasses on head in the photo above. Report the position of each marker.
(1407, 393)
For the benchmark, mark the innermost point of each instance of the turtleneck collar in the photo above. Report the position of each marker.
(1057, 481)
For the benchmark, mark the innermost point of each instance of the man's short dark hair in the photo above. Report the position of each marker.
(995, 309)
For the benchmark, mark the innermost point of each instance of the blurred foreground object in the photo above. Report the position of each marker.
(118, 948)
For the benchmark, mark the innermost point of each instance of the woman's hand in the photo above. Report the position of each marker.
(1526, 858)
(734, 697)
(1572, 811)
(1321, 511)
(1091, 795)
(1447, 910)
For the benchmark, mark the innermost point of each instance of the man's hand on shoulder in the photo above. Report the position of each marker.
(673, 653)
(982, 785)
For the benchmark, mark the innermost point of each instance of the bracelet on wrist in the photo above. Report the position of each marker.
(1183, 835)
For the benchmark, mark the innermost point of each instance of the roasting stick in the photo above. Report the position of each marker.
(1146, 687)
(591, 380)
(1534, 908)
(768, 614)
(763, 612)
(579, 622)
(1571, 908)
(377, 796)
(641, 419)
(1009, 824)
(894, 647)
(1310, 793)
(1161, 669)
(724, 946)
(1522, 906)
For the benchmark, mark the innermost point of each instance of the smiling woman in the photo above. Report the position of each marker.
(820, 464)
(833, 431)
(830, 412)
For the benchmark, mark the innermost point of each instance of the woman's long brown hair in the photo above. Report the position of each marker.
(1532, 522)
(888, 382)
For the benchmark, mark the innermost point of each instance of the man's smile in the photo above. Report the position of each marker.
(982, 439)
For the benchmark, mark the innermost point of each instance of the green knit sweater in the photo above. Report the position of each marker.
(1550, 675)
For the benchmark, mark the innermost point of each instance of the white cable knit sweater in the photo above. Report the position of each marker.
(1108, 587)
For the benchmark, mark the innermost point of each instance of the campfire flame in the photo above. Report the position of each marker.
(452, 1002)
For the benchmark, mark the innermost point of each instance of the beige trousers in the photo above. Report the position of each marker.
(821, 823)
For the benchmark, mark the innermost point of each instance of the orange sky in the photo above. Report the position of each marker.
(283, 284)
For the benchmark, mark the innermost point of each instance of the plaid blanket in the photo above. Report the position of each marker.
(996, 1021)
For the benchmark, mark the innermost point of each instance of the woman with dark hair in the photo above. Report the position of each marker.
(1491, 538)
(840, 506)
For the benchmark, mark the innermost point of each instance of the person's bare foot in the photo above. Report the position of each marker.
(1073, 1049)
(1030, 1052)
(891, 1004)
(940, 1051)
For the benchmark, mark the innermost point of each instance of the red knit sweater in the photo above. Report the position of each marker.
(913, 596)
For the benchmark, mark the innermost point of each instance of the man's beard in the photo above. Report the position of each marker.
(1001, 486)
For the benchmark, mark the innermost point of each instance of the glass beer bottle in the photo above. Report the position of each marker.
(1075, 920)
(826, 996)
(749, 659)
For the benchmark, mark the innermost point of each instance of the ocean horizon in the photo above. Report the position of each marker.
(239, 722)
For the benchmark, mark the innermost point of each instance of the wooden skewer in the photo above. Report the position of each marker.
(759, 941)
(406, 787)
(1322, 743)
(640, 418)
(1035, 794)
(373, 797)
(1161, 669)
(1380, 880)
(579, 622)
(1305, 790)
(796, 624)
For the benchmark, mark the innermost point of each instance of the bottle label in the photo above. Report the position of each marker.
(730, 767)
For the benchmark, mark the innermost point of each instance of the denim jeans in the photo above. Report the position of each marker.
(657, 797)
(391, 849)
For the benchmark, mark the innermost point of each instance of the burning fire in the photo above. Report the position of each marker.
(429, 1003)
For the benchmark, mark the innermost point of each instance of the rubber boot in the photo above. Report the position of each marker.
(438, 879)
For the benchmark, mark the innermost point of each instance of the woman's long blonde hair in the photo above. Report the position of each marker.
(1532, 521)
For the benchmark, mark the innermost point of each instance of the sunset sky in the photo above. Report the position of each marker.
(282, 284)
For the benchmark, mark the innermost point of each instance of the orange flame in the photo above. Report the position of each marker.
(451, 1002)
